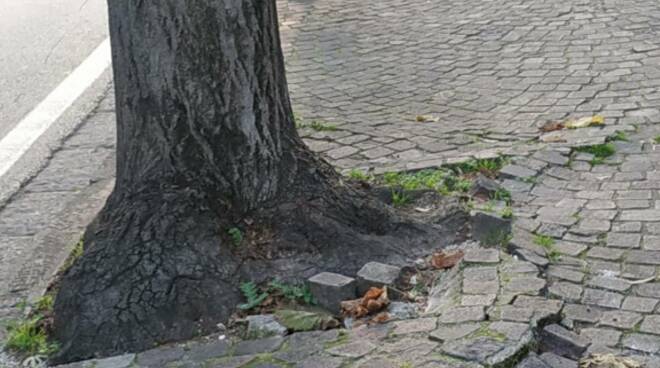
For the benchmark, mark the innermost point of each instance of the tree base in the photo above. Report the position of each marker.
(161, 268)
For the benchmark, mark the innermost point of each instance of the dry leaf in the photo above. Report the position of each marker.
(372, 293)
(380, 318)
(374, 300)
(426, 119)
(354, 308)
(585, 122)
(442, 260)
(609, 361)
(551, 126)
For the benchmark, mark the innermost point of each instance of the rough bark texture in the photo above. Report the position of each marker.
(206, 141)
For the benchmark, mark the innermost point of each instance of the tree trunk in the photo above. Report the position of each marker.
(206, 142)
(202, 99)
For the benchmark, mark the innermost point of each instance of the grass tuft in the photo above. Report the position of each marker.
(619, 135)
(356, 174)
(548, 244)
(28, 337)
(293, 292)
(600, 152)
(400, 198)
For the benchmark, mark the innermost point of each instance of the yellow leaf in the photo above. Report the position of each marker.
(585, 122)
(426, 118)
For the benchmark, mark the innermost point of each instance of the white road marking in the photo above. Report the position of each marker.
(34, 124)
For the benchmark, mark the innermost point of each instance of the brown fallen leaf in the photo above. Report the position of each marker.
(372, 293)
(442, 260)
(381, 317)
(354, 308)
(374, 300)
(551, 126)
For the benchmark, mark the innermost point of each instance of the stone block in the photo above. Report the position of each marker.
(330, 289)
(401, 311)
(480, 255)
(484, 187)
(374, 274)
(563, 342)
(532, 361)
(489, 228)
(517, 172)
(555, 361)
(264, 325)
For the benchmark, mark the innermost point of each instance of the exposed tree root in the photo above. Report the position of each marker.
(159, 266)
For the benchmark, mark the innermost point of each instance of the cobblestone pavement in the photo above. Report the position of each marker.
(42, 222)
(490, 72)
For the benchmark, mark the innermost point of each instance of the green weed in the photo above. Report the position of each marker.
(502, 194)
(45, 303)
(443, 181)
(485, 166)
(295, 293)
(356, 174)
(600, 152)
(236, 236)
(548, 244)
(463, 185)
(75, 254)
(399, 198)
(507, 212)
(544, 240)
(252, 294)
(619, 135)
(656, 140)
(27, 337)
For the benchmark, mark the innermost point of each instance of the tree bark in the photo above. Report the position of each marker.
(206, 140)
(202, 99)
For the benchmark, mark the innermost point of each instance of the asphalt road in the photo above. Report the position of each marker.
(41, 42)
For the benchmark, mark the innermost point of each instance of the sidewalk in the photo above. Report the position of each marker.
(42, 222)
(483, 76)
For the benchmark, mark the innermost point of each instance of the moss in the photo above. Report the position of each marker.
(75, 254)
(45, 304)
(341, 339)
(484, 331)
(266, 359)
(305, 321)
(498, 238)
(316, 125)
